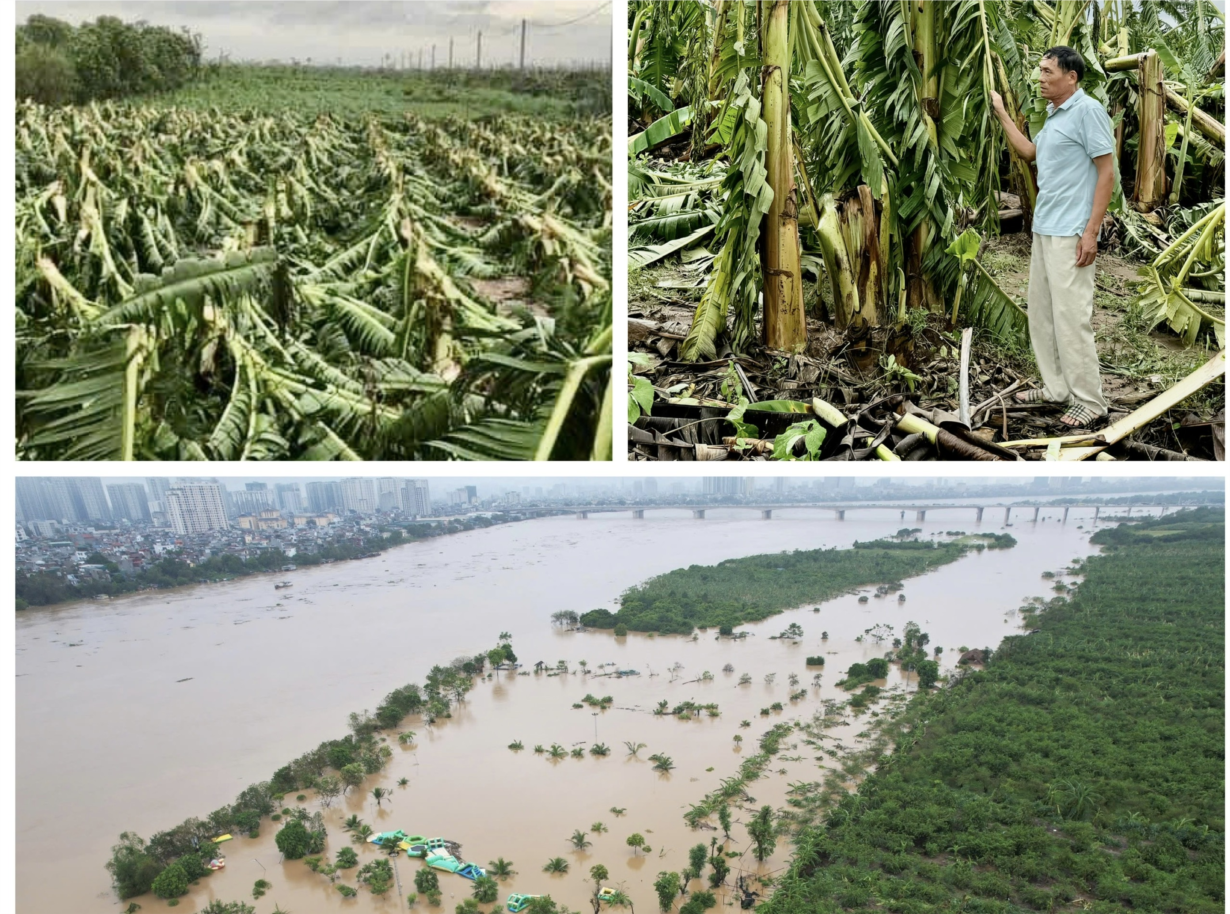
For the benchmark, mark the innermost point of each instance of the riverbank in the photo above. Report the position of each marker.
(46, 589)
(1084, 765)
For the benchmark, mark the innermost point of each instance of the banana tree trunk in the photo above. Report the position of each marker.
(785, 325)
(860, 228)
(715, 58)
(837, 265)
(919, 291)
(1150, 191)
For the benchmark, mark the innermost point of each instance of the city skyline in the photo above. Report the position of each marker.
(192, 504)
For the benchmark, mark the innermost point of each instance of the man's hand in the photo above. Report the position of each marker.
(997, 103)
(1086, 249)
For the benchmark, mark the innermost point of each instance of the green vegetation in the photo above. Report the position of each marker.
(135, 866)
(748, 589)
(732, 789)
(171, 882)
(58, 63)
(315, 281)
(335, 91)
(1083, 768)
(376, 875)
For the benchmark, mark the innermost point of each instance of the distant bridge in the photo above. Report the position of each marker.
(839, 510)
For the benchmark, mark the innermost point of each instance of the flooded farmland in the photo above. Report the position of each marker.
(136, 713)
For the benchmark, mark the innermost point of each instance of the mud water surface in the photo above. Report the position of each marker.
(136, 713)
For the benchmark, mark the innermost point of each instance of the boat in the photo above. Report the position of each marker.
(282, 585)
(223, 838)
(217, 863)
(517, 902)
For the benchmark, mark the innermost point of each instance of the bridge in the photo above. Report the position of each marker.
(839, 510)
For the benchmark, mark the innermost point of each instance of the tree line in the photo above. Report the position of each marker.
(174, 858)
(45, 588)
(58, 63)
(755, 587)
(1084, 765)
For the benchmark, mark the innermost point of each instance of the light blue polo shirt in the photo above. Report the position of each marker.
(1074, 134)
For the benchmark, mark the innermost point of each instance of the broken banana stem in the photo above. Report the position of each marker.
(829, 413)
(1202, 376)
(913, 425)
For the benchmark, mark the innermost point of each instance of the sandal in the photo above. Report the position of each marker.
(1029, 396)
(1078, 416)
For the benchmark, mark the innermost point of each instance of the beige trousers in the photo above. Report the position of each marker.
(1061, 323)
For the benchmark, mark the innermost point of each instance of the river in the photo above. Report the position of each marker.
(135, 713)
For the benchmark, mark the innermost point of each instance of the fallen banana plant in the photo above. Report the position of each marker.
(1171, 295)
(201, 285)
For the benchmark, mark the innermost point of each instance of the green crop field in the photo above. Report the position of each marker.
(285, 263)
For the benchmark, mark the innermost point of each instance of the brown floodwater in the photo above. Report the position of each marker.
(136, 713)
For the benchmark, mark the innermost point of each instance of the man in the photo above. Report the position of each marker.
(1075, 156)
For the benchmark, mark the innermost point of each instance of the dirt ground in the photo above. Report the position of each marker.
(1137, 364)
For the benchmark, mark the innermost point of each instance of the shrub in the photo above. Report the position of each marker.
(45, 75)
(815, 661)
(171, 882)
(132, 869)
(621, 630)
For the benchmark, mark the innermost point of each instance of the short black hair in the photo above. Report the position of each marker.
(1068, 59)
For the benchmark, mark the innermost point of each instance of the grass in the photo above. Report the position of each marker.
(341, 92)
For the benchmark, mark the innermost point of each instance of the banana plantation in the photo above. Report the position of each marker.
(828, 229)
(195, 283)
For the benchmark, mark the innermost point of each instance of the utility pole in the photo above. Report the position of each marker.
(420, 59)
(433, 58)
(450, 53)
(522, 44)
(480, 52)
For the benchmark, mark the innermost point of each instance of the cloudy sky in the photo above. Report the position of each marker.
(360, 32)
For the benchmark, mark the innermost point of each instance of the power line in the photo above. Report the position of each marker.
(559, 25)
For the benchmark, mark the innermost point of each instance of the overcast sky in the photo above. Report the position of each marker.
(360, 32)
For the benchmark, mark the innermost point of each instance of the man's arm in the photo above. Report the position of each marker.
(1087, 246)
(1019, 142)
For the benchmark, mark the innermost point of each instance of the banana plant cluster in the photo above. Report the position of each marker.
(201, 284)
(880, 145)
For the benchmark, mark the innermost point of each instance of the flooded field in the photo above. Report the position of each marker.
(136, 713)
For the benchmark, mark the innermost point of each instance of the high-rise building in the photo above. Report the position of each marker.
(416, 497)
(727, 485)
(91, 499)
(196, 508)
(42, 498)
(324, 496)
(387, 498)
(359, 495)
(471, 495)
(129, 502)
(651, 487)
(288, 497)
(158, 488)
(67, 499)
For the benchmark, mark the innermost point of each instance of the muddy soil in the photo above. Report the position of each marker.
(1137, 363)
